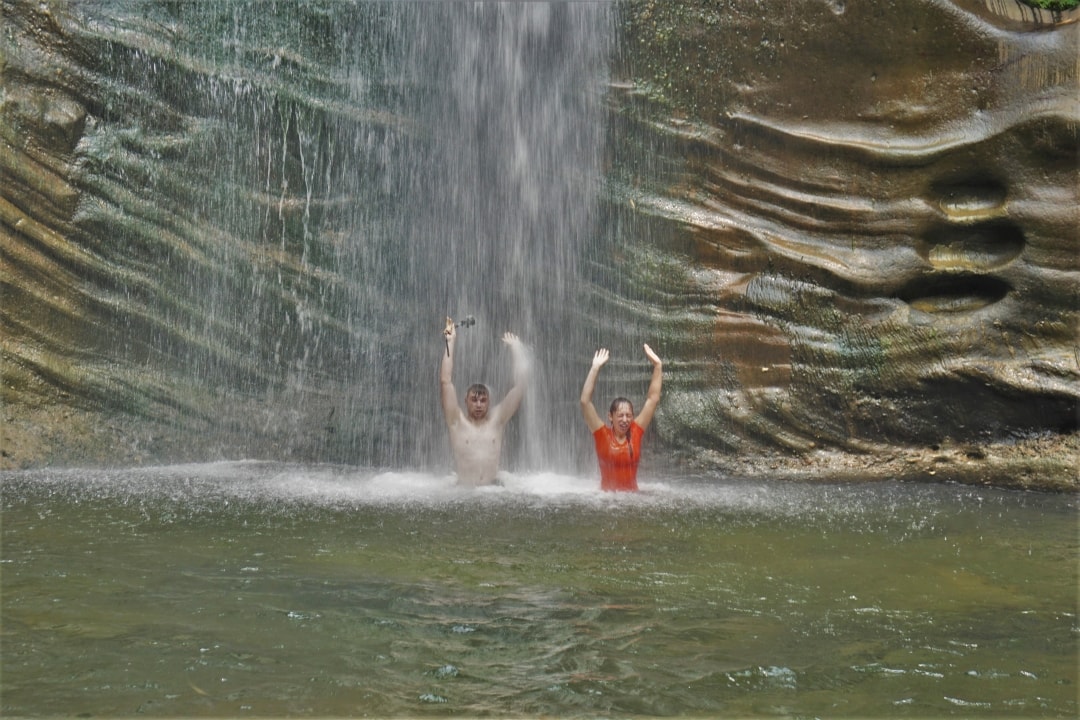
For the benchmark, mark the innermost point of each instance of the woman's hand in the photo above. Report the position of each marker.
(653, 357)
(600, 357)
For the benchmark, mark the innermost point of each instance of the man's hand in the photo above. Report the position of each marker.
(450, 330)
(510, 338)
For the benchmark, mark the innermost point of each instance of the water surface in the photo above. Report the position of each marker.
(255, 589)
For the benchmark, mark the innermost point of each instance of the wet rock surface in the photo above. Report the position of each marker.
(849, 228)
(882, 200)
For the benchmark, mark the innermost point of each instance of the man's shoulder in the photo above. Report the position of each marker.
(457, 417)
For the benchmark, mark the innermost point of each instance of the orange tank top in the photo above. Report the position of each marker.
(618, 461)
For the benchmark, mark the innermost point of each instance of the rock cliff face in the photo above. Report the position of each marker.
(868, 215)
(848, 227)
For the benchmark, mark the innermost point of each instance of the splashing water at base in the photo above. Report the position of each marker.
(265, 589)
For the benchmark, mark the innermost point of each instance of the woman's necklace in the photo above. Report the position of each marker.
(616, 443)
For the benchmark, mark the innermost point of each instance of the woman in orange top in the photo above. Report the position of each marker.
(618, 445)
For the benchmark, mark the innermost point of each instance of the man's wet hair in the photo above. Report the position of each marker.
(479, 389)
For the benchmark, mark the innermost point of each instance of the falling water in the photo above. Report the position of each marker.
(297, 195)
(497, 202)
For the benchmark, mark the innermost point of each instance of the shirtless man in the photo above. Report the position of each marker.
(476, 432)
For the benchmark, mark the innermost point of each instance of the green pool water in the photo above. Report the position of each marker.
(255, 589)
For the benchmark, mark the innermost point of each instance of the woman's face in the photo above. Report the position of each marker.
(621, 417)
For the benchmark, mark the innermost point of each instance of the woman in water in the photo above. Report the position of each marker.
(618, 445)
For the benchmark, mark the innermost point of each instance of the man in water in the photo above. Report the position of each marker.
(476, 432)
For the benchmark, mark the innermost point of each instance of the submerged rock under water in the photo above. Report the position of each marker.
(233, 229)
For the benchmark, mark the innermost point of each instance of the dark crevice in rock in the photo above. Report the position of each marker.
(948, 293)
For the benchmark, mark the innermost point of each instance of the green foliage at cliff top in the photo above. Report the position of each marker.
(1053, 4)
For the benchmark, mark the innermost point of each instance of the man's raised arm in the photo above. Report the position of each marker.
(451, 412)
(522, 368)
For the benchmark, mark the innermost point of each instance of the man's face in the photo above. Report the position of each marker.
(477, 405)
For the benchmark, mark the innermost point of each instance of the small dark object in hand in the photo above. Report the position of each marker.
(469, 321)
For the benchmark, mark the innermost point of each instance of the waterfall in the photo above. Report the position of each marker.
(285, 201)
(495, 197)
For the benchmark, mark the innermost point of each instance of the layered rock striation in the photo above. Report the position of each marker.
(863, 221)
(849, 228)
